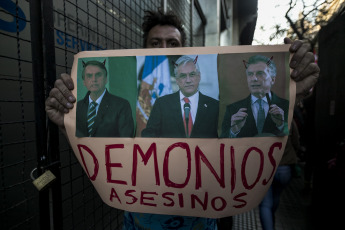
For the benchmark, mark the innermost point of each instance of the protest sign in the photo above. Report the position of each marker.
(154, 168)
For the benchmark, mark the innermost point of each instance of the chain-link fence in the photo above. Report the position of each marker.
(18, 198)
(38, 41)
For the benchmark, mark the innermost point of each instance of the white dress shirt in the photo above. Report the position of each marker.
(98, 101)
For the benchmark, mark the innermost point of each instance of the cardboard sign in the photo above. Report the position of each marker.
(191, 175)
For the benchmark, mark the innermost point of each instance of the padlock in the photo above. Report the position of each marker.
(44, 180)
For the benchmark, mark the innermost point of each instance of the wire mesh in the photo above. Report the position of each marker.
(79, 25)
(18, 197)
(94, 25)
(182, 9)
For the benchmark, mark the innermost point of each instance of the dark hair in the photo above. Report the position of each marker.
(94, 63)
(153, 18)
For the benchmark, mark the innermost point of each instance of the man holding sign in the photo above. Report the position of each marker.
(163, 32)
(262, 113)
(186, 113)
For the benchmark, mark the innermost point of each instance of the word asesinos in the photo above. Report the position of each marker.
(168, 199)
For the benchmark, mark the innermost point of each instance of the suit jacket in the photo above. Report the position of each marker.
(114, 117)
(166, 118)
(249, 129)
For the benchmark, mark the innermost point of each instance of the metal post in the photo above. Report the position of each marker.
(40, 115)
(191, 13)
(164, 5)
(53, 132)
(202, 17)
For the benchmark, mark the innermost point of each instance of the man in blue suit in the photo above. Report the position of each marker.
(186, 113)
(262, 113)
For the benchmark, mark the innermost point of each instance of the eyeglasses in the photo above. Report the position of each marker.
(191, 75)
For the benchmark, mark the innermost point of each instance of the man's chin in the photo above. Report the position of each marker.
(258, 93)
(189, 93)
(94, 91)
(256, 89)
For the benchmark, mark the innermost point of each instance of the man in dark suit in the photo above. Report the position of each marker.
(262, 113)
(186, 113)
(99, 113)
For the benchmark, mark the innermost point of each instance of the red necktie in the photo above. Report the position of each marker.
(190, 120)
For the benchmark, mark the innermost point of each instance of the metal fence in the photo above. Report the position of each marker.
(38, 41)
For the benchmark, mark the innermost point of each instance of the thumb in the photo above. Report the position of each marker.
(287, 41)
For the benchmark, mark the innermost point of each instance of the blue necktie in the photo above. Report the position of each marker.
(261, 116)
(91, 116)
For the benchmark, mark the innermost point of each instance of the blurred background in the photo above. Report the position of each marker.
(39, 39)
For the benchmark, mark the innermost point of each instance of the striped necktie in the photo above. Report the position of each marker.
(261, 116)
(91, 116)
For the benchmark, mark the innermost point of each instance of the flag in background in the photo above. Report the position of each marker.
(155, 83)
(156, 73)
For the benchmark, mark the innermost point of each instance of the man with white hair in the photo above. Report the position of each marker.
(186, 113)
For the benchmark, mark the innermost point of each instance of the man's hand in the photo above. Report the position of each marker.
(277, 115)
(60, 100)
(238, 120)
(305, 70)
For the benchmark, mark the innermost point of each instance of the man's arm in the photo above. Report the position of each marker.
(277, 115)
(238, 120)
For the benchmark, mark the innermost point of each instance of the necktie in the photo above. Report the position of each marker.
(190, 121)
(261, 116)
(91, 116)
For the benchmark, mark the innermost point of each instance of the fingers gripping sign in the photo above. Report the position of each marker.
(305, 70)
(65, 86)
(60, 100)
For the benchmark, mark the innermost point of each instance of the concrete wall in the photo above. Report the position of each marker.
(211, 10)
(227, 35)
(240, 21)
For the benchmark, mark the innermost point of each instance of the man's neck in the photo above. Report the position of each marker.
(260, 95)
(95, 95)
(189, 95)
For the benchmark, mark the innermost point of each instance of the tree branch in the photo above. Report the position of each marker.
(292, 24)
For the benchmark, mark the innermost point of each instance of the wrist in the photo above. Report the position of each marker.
(234, 129)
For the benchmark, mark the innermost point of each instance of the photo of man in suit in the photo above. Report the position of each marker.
(187, 112)
(99, 113)
(262, 113)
